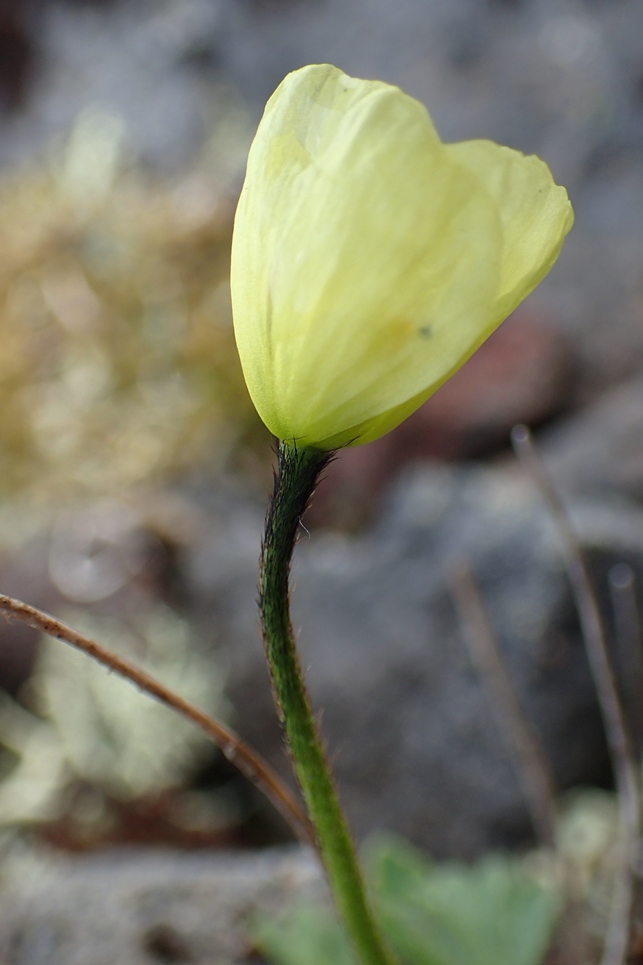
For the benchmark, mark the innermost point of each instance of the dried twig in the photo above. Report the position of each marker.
(616, 731)
(530, 761)
(251, 764)
(627, 623)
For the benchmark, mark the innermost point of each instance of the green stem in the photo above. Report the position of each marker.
(294, 484)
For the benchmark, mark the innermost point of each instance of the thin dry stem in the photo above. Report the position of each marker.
(530, 761)
(251, 764)
(616, 731)
(627, 623)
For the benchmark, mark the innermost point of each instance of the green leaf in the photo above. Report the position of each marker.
(308, 935)
(490, 913)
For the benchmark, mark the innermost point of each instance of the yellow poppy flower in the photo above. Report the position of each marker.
(370, 260)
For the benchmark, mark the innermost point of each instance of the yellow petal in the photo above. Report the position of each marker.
(535, 213)
(369, 260)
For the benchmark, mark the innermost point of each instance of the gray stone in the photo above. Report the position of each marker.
(133, 61)
(138, 907)
(599, 449)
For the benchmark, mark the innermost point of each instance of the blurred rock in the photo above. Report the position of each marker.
(145, 63)
(408, 723)
(16, 55)
(136, 907)
(600, 448)
(104, 552)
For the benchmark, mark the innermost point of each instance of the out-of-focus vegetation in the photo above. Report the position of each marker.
(487, 914)
(118, 370)
(118, 362)
(87, 760)
(548, 906)
(84, 725)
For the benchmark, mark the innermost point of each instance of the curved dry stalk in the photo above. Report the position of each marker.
(616, 729)
(233, 748)
(627, 621)
(530, 761)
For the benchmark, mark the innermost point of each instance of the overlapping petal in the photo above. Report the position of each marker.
(370, 260)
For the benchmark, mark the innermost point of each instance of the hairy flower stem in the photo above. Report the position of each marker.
(295, 481)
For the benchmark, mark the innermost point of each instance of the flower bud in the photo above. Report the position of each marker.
(370, 260)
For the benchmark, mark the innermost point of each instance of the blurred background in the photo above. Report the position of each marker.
(134, 469)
